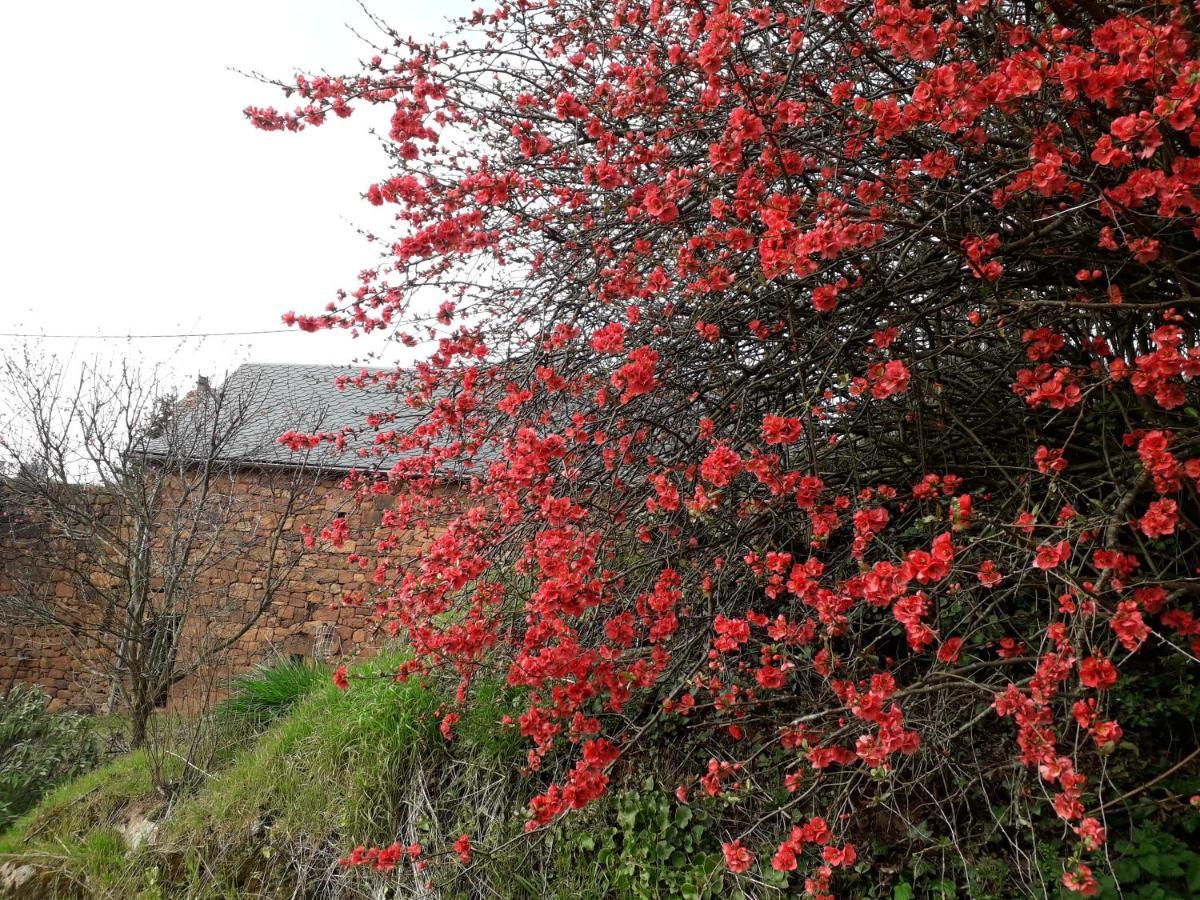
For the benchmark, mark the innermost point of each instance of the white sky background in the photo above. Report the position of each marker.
(136, 199)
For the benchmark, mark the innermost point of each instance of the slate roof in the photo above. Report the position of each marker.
(267, 400)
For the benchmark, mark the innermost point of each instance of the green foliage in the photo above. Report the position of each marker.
(97, 800)
(38, 749)
(1155, 694)
(263, 695)
(937, 877)
(644, 844)
(369, 766)
(362, 766)
(1152, 864)
(327, 768)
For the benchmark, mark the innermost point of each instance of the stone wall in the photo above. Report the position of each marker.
(307, 615)
(67, 666)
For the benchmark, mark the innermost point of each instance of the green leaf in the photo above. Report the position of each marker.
(1193, 876)
(1169, 866)
(1126, 870)
(774, 878)
(902, 891)
(1151, 864)
(627, 818)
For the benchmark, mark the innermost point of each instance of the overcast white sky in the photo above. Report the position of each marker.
(137, 200)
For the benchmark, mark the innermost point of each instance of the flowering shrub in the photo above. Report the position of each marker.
(823, 381)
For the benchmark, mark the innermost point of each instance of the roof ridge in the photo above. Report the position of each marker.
(277, 365)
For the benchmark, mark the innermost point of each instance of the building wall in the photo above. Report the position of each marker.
(66, 665)
(306, 617)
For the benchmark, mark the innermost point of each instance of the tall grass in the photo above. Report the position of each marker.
(367, 765)
(270, 690)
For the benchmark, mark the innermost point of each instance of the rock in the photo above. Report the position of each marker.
(13, 876)
(138, 831)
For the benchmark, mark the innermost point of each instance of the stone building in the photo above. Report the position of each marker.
(307, 613)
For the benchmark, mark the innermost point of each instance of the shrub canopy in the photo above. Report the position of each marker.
(823, 377)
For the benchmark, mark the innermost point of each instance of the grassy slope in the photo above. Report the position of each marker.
(74, 831)
(366, 765)
(363, 766)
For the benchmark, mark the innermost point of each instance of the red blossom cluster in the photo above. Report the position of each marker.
(383, 859)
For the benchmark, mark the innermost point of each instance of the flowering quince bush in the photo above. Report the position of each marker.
(822, 382)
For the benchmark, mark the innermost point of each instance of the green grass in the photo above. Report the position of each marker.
(270, 691)
(72, 836)
(95, 800)
(363, 766)
(348, 743)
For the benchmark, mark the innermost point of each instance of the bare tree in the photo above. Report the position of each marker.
(135, 500)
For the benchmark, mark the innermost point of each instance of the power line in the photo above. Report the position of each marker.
(138, 337)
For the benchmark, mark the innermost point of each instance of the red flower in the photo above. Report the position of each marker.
(950, 649)
(1127, 622)
(336, 532)
(1159, 520)
(824, 298)
(1049, 462)
(609, 339)
(784, 859)
(600, 753)
(637, 376)
(1081, 881)
(780, 429)
(721, 466)
(770, 677)
(988, 575)
(1098, 673)
(462, 847)
(1050, 556)
(888, 378)
(386, 859)
(340, 679)
(737, 857)
(1010, 649)
(1092, 833)
(840, 856)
